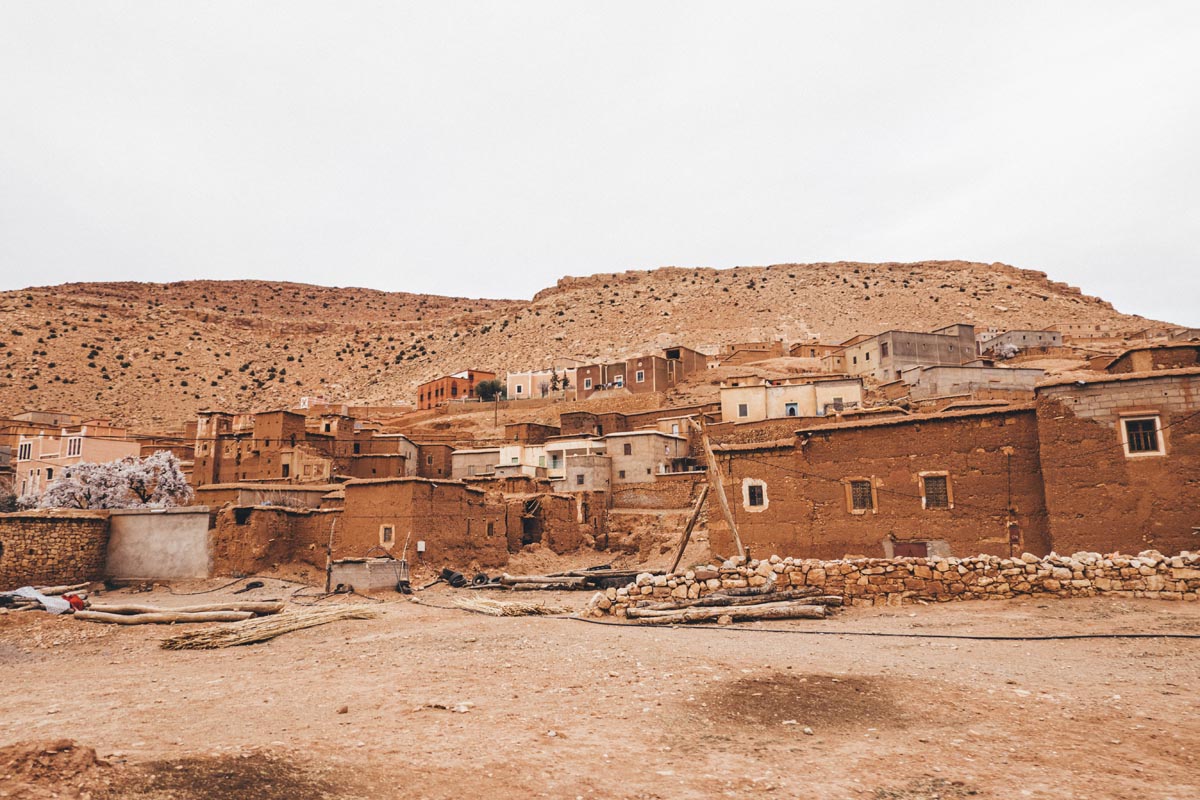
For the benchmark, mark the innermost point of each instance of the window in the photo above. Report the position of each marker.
(579, 479)
(49, 474)
(387, 535)
(792, 409)
(520, 388)
(1142, 436)
(866, 357)
(854, 360)
(743, 410)
(328, 426)
(74, 446)
(627, 449)
(935, 491)
(755, 495)
(619, 381)
(491, 528)
(883, 349)
(862, 495)
(621, 474)
(640, 376)
(357, 448)
(25, 451)
(587, 383)
(429, 459)
(287, 470)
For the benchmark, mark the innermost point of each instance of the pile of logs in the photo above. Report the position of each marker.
(571, 580)
(132, 614)
(12, 603)
(738, 605)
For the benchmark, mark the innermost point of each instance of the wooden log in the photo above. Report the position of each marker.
(750, 591)
(687, 531)
(57, 590)
(133, 608)
(535, 587)
(714, 477)
(793, 610)
(164, 618)
(722, 600)
(513, 580)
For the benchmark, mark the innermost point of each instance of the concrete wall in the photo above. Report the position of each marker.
(159, 544)
(940, 381)
(52, 547)
(650, 453)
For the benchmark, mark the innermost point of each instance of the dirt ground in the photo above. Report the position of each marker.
(560, 708)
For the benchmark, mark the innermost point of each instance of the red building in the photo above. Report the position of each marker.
(442, 390)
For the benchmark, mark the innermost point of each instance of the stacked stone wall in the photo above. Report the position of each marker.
(41, 548)
(892, 582)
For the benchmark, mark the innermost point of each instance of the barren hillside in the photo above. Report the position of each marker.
(152, 355)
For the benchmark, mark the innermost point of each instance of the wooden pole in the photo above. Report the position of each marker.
(797, 610)
(164, 618)
(714, 477)
(687, 531)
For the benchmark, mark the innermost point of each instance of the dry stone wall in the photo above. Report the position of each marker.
(878, 582)
(40, 548)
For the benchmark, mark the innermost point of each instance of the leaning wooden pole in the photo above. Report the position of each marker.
(687, 531)
(714, 477)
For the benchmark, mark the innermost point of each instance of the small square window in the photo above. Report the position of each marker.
(755, 494)
(743, 410)
(579, 479)
(861, 496)
(621, 474)
(936, 491)
(1142, 436)
(387, 534)
(627, 449)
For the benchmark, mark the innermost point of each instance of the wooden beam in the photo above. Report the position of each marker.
(714, 477)
(687, 531)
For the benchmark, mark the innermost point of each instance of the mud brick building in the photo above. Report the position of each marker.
(459, 386)
(640, 374)
(288, 446)
(1111, 463)
(1120, 456)
(950, 483)
(1177, 355)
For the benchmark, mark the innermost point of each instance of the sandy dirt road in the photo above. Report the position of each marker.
(561, 708)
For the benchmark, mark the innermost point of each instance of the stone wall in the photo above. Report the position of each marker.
(878, 582)
(52, 547)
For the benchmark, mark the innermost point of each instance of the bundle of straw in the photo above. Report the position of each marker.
(263, 628)
(506, 608)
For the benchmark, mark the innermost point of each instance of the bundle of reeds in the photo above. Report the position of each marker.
(507, 608)
(260, 630)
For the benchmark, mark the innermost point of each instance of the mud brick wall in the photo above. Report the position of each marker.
(671, 491)
(40, 549)
(991, 459)
(247, 540)
(892, 582)
(1099, 499)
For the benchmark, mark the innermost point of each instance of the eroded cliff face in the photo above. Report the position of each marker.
(155, 354)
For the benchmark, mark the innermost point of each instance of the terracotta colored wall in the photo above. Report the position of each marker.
(807, 514)
(249, 540)
(1097, 497)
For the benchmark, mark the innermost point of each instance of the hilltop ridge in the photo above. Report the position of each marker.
(155, 354)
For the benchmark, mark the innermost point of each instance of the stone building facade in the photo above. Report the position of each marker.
(52, 547)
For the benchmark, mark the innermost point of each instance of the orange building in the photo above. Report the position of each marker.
(442, 390)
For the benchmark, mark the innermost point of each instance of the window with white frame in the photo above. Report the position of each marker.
(587, 383)
(936, 491)
(25, 451)
(74, 445)
(387, 535)
(1142, 436)
(640, 376)
(754, 494)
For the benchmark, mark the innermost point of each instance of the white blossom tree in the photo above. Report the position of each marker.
(152, 482)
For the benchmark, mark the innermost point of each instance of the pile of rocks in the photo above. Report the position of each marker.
(878, 581)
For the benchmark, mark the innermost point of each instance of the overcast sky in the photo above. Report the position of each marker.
(486, 149)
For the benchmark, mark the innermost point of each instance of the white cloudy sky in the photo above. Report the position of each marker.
(489, 148)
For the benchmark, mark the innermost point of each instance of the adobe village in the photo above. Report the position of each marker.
(832, 530)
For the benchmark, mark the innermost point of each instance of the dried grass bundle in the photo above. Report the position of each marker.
(264, 628)
(507, 608)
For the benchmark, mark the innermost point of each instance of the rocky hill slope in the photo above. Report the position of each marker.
(152, 355)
